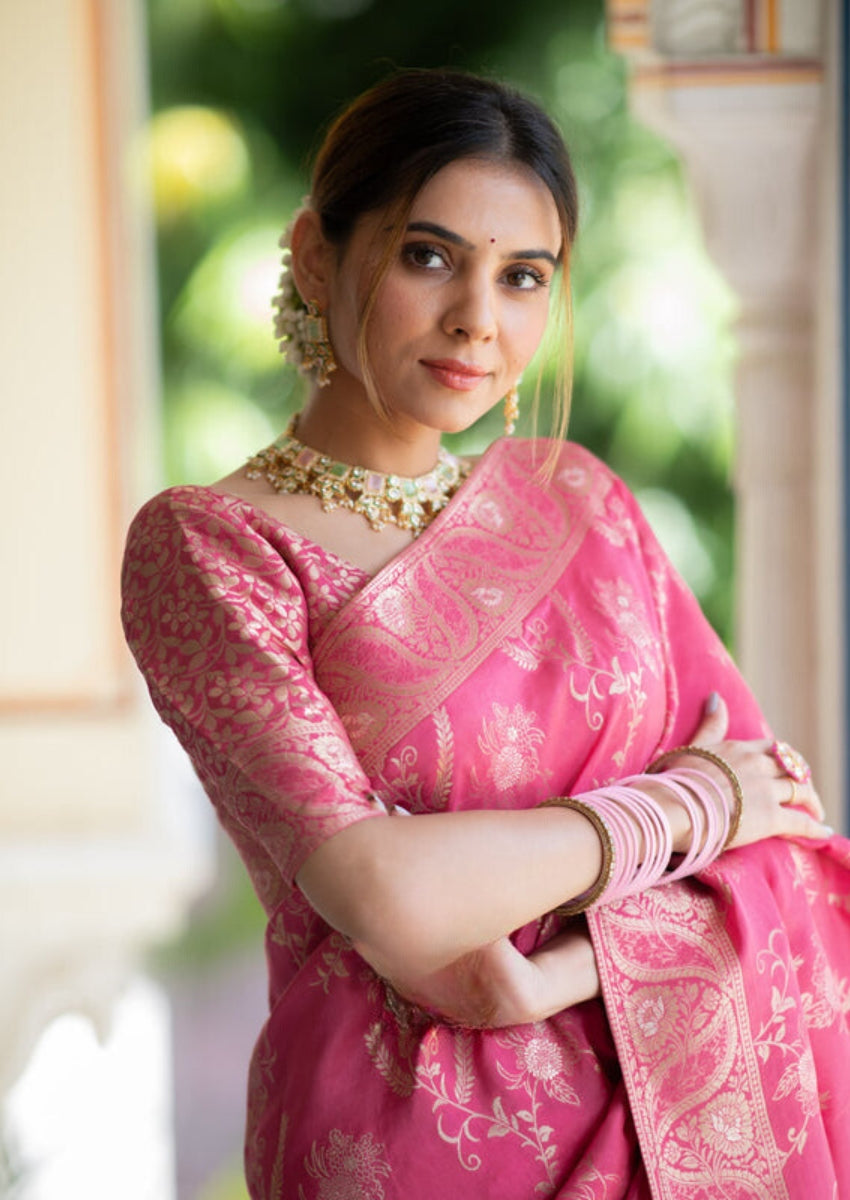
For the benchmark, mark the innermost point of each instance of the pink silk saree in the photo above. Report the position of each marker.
(533, 641)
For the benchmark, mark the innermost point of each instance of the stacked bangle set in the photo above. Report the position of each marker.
(636, 839)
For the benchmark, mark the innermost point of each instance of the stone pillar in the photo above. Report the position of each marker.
(747, 93)
(95, 860)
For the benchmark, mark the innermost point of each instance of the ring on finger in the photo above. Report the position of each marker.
(791, 761)
(792, 799)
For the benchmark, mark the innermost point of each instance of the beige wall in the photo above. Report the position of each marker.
(89, 862)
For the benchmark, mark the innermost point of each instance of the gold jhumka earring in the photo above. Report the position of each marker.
(317, 353)
(511, 410)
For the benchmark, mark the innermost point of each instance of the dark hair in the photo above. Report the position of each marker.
(395, 137)
(391, 140)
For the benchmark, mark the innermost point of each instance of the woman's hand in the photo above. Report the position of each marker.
(772, 806)
(496, 985)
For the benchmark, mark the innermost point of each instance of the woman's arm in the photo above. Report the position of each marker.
(421, 895)
(496, 985)
(218, 625)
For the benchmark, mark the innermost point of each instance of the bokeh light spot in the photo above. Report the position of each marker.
(197, 159)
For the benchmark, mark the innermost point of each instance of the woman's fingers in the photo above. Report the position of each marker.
(796, 822)
(775, 804)
(800, 795)
(714, 724)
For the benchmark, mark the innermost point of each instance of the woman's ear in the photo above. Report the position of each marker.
(312, 259)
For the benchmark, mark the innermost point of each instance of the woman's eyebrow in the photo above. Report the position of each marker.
(439, 231)
(448, 235)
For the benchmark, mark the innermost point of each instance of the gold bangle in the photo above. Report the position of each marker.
(580, 903)
(731, 774)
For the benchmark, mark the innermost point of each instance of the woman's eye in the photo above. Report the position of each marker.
(421, 255)
(525, 278)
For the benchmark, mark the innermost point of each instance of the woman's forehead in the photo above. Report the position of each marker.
(490, 199)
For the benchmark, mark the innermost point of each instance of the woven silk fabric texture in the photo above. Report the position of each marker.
(533, 641)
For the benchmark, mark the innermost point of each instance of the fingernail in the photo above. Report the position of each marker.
(712, 703)
(828, 830)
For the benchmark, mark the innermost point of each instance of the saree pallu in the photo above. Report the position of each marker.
(533, 641)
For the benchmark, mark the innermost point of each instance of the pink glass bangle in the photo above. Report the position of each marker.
(696, 817)
(722, 765)
(635, 833)
(641, 836)
(642, 826)
(708, 807)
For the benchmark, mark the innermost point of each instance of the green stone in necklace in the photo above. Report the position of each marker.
(290, 466)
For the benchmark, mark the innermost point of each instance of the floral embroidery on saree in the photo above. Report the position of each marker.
(680, 1015)
(424, 624)
(346, 1168)
(510, 741)
(537, 624)
(540, 1069)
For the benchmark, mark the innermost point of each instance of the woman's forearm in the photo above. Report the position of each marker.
(422, 892)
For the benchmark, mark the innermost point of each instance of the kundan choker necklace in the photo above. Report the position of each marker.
(290, 466)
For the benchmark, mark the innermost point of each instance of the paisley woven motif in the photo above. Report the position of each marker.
(533, 640)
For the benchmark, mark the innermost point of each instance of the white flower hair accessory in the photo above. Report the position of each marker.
(300, 326)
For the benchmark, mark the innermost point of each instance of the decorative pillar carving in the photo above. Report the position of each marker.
(745, 91)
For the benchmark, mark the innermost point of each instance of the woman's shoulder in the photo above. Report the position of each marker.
(201, 528)
(199, 512)
(189, 503)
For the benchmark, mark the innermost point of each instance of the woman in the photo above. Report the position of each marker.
(360, 627)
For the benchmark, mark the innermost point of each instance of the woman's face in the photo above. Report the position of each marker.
(463, 306)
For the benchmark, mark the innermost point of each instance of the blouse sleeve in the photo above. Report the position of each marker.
(697, 662)
(218, 626)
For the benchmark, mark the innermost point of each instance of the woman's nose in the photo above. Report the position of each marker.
(472, 312)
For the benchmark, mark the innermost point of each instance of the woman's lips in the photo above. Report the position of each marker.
(452, 373)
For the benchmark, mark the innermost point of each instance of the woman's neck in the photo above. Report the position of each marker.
(352, 432)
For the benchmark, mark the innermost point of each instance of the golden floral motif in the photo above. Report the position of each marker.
(727, 1126)
(443, 1063)
(348, 1168)
(651, 1015)
(489, 513)
(829, 997)
(510, 740)
(545, 1057)
(444, 775)
(573, 478)
(402, 781)
(182, 616)
(357, 725)
(395, 1069)
(392, 608)
(591, 1184)
(332, 750)
(800, 1079)
(489, 597)
(618, 601)
(615, 523)
(333, 964)
(540, 641)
